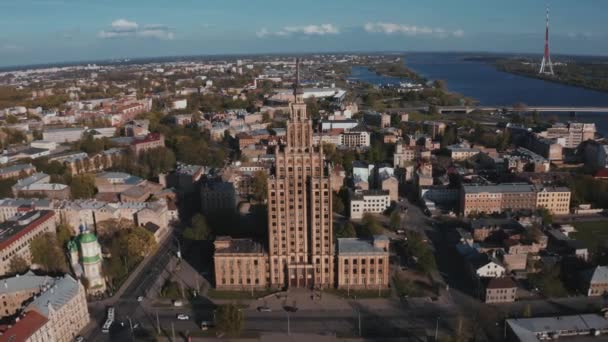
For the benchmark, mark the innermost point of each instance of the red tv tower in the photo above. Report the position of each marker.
(546, 67)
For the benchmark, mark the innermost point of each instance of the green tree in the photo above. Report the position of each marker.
(337, 203)
(18, 265)
(546, 215)
(395, 219)
(259, 186)
(46, 253)
(229, 319)
(198, 230)
(83, 186)
(372, 225)
(64, 234)
(346, 231)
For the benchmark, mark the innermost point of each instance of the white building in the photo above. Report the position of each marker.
(179, 104)
(369, 201)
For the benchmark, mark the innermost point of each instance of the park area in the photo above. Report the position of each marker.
(593, 234)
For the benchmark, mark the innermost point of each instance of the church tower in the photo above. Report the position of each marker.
(299, 206)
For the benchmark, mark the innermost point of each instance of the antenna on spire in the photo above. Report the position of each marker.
(546, 67)
(297, 89)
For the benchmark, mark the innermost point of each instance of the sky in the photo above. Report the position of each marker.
(50, 31)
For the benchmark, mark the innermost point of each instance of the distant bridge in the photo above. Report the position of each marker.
(540, 109)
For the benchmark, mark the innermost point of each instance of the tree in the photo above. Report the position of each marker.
(395, 219)
(259, 186)
(83, 186)
(546, 216)
(346, 231)
(46, 253)
(337, 203)
(372, 225)
(198, 230)
(527, 311)
(440, 84)
(18, 265)
(64, 234)
(229, 319)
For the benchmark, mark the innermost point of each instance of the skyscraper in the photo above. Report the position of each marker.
(299, 206)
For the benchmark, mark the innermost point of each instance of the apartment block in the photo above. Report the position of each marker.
(17, 234)
(369, 201)
(240, 264)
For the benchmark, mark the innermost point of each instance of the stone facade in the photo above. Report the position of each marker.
(363, 264)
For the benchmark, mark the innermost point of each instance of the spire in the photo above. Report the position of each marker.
(297, 89)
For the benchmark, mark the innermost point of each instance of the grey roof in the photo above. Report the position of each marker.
(498, 188)
(356, 246)
(34, 178)
(599, 275)
(17, 202)
(61, 130)
(13, 168)
(527, 329)
(240, 246)
(27, 281)
(59, 294)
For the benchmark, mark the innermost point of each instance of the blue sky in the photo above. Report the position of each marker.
(41, 31)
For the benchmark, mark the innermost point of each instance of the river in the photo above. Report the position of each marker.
(481, 81)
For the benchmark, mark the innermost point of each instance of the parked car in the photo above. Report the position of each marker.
(178, 303)
(290, 308)
(264, 309)
(140, 298)
(183, 317)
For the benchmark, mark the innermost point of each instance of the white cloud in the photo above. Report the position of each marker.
(307, 30)
(123, 28)
(411, 30)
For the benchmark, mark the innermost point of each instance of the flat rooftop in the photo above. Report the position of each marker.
(238, 246)
(13, 229)
(498, 188)
(357, 246)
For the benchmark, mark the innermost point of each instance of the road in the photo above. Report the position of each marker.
(126, 304)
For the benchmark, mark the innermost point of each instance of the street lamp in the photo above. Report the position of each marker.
(437, 327)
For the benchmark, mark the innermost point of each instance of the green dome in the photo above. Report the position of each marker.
(88, 237)
(72, 247)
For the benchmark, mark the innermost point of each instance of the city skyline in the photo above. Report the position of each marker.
(79, 32)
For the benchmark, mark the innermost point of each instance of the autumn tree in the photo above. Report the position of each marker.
(46, 253)
(18, 265)
(259, 186)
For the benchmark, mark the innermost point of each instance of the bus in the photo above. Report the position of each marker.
(109, 320)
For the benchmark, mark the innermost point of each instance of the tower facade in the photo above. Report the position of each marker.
(546, 67)
(300, 233)
(86, 260)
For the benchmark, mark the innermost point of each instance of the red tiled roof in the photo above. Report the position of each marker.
(43, 218)
(26, 327)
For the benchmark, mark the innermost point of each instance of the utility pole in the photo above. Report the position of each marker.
(172, 332)
(288, 325)
(157, 323)
(436, 328)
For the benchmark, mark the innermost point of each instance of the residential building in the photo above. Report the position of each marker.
(496, 198)
(10, 207)
(363, 264)
(404, 155)
(556, 328)
(38, 184)
(57, 313)
(15, 291)
(62, 135)
(485, 266)
(461, 152)
(240, 264)
(595, 281)
(17, 234)
(150, 141)
(500, 290)
(390, 184)
(19, 170)
(355, 138)
(368, 201)
(573, 133)
(555, 200)
(218, 197)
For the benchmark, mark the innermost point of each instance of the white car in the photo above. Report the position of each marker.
(140, 298)
(183, 317)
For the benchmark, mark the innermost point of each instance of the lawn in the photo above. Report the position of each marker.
(241, 295)
(592, 233)
(345, 293)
